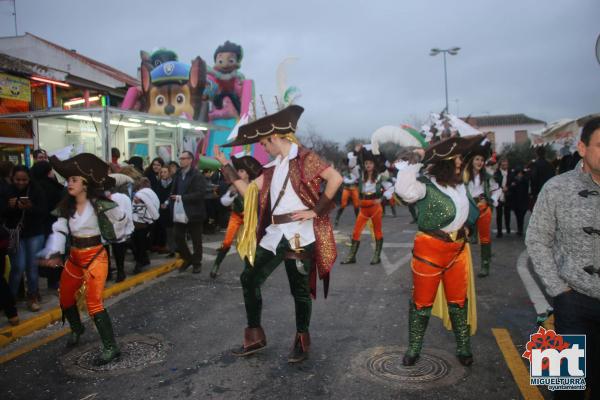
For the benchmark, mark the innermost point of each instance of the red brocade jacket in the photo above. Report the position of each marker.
(305, 170)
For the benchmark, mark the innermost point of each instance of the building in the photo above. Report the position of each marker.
(506, 129)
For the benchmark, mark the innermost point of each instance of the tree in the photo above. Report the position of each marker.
(328, 149)
(521, 154)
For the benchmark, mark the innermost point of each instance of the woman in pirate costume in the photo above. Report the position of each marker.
(350, 189)
(248, 168)
(88, 220)
(441, 252)
(293, 224)
(371, 192)
(485, 193)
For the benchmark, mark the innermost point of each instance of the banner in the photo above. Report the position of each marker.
(15, 88)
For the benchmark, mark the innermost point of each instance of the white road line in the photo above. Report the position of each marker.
(535, 294)
(397, 245)
(390, 267)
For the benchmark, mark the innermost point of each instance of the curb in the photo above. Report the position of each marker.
(12, 333)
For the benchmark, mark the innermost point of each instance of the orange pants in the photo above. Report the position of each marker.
(484, 223)
(235, 221)
(451, 267)
(351, 193)
(94, 277)
(369, 210)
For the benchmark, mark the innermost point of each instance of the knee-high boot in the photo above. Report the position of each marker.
(338, 215)
(221, 253)
(486, 259)
(351, 259)
(110, 349)
(417, 325)
(377, 255)
(462, 334)
(71, 314)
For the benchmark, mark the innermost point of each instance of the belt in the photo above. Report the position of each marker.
(282, 219)
(347, 186)
(448, 237)
(140, 225)
(83, 242)
(369, 196)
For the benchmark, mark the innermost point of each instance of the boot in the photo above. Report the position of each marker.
(393, 211)
(300, 348)
(351, 259)
(120, 274)
(356, 211)
(221, 253)
(71, 314)
(110, 349)
(486, 259)
(338, 216)
(254, 340)
(417, 325)
(458, 316)
(377, 255)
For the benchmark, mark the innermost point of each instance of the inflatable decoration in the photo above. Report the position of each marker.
(404, 136)
(227, 81)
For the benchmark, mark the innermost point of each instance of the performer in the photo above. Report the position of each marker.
(370, 187)
(441, 252)
(248, 169)
(388, 198)
(293, 224)
(485, 193)
(88, 219)
(350, 190)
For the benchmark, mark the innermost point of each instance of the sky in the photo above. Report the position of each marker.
(361, 64)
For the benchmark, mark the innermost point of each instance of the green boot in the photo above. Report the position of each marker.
(221, 253)
(462, 333)
(338, 215)
(486, 259)
(110, 349)
(351, 259)
(417, 325)
(377, 255)
(71, 314)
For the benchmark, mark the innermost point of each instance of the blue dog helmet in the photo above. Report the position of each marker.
(170, 72)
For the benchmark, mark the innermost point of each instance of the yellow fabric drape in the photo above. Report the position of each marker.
(289, 136)
(246, 240)
(440, 306)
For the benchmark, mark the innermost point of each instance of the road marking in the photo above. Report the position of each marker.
(535, 294)
(390, 267)
(515, 364)
(398, 245)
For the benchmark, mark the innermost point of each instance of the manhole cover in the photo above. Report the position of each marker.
(137, 352)
(434, 368)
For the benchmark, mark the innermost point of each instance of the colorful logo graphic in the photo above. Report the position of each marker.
(556, 361)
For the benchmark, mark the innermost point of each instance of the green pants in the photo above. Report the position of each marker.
(264, 264)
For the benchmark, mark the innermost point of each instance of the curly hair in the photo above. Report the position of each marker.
(444, 173)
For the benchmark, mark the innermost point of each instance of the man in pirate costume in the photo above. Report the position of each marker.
(293, 224)
(441, 264)
(88, 219)
(350, 189)
(485, 193)
(248, 169)
(371, 193)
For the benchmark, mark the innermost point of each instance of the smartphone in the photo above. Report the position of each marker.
(24, 198)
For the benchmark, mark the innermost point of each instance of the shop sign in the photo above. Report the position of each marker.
(14, 88)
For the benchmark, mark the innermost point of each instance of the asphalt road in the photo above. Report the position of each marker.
(177, 334)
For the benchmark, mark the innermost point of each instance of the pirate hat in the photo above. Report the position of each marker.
(86, 165)
(248, 164)
(281, 122)
(367, 155)
(450, 148)
(483, 149)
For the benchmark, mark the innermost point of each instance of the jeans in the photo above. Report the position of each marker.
(578, 314)
(25, 260)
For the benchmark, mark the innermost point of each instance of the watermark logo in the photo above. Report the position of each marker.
(556, 361)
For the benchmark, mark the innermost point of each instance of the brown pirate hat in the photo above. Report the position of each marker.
(281, 122)
(248, 164)
(450, 148)
(86, 165)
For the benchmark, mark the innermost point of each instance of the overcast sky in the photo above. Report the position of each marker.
(362, 64)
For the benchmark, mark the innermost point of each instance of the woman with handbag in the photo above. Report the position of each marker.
(26, 208)
(89, 220)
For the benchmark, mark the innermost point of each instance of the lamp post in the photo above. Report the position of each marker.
(452, 51)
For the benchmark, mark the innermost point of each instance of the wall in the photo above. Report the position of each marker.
(505, 135)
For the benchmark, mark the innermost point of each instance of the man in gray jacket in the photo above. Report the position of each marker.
(563, 241)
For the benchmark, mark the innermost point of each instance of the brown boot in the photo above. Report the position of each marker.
(254, 340)
(299, 352)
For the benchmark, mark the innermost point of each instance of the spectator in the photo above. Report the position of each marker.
(7, 300)
(145, 212)
(137, 162)
(503, 177)
(39, 155)
(211, 200)
(41, 174)
(189, 187)
(153, 172)
(173, 168)
(562, 241)
(519, 197)
(164, 222)
(120, 195)
(26, 208)
(115, 154)
(541, 171)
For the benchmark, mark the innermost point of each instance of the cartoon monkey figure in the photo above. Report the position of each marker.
(174, 88)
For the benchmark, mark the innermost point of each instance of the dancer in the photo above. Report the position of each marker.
(485, 193)
(248, 169)
(350, 191)
(441, 253)
(370, 187)
(88, 219)
(293, 225)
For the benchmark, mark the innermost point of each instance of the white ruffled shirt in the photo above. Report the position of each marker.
(476, 189)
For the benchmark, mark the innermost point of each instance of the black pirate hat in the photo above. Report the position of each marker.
(483, 149)
(281, 122)
(248, 164)
(378, 159)
(86, 165)
(450, 148)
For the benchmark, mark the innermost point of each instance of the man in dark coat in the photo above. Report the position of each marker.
(541, 171)
(503, 177)
(189, 187)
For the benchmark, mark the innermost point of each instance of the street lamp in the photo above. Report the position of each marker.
(452, 51)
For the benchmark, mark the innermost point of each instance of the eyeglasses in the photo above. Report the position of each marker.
(184, 158)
